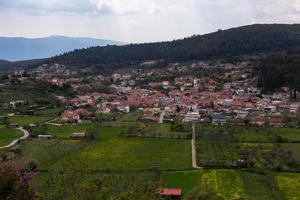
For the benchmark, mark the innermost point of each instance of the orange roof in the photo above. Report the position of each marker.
(171, 191)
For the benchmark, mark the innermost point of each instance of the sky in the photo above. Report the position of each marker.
(138, 21)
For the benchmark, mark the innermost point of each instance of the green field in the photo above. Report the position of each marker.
(235, 184)
(49, 112)
(113, 152)
(227, 183)
(289, 184)
(254, 134)
(66, 130)
(7, 135)
(216, 149)
(26, 120)
(48, 151)
(294, 148)
(288, 134)
(131, 117)
(163, 130)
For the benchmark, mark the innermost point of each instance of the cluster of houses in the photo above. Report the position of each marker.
(13, 104)
(231, 95)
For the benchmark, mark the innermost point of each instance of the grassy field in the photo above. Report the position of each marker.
(288, 134)
(26, 120)
(289, 184)
(163, 130)
(66, 130)
(7, 135)
(217, 149)
(292, 147)
(129, 154)
(254, 134)
(227, 183)
(235, 184)
(111, 151)
(131, 117)
(50, 112)
(44, 152)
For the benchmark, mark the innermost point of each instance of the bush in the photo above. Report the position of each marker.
(15, 183)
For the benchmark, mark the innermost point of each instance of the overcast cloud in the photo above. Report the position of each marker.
(138, 20)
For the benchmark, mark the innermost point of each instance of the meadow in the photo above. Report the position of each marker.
(109, 152)
(254, 134)
(64, 131)
(7, 135)
(26, 120)
(294, 148)
(236, 184)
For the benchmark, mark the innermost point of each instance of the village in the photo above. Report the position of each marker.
(229, 97)
(188, 120)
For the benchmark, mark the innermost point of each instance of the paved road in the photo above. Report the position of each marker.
(13, 143)
(161, 118)
(194, 154)
(54, 124)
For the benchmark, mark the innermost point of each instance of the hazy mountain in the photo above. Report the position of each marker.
(3, 61)
(18, 48)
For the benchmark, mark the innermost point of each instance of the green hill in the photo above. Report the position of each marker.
(252, 39)
(221, 44)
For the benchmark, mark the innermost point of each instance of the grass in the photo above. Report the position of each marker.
(66, 130)
(292, 147)
(111, 152)
(260, 186)
(131, 117)
(130, 154)
(288, 134)
(50, 112)
(254, 134)
(289, 184)
(7, 135)
(227, 183)
(163, 130)
(237, 184)
(45, 151)
(217, 149)
(26, 120)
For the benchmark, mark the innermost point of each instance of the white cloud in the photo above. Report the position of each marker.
(139, 20)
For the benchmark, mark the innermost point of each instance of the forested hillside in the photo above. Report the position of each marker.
(246, 40)
(280, 69)
(233, 42)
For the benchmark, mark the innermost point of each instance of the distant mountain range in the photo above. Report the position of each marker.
(19, 48)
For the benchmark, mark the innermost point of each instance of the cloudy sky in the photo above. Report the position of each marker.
(138, 20)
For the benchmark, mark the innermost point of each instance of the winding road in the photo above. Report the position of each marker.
(13, 143)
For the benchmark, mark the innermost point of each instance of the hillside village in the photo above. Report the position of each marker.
(191, 119)
(230, 96)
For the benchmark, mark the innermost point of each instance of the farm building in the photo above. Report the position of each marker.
(170, 193)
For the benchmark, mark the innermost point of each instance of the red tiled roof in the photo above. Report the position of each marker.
(171, 191)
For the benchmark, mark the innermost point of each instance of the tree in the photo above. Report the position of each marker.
(199, 193)
(15, 184)
(4, 120)
(77, 182)
(39, 130)
(92, 133)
